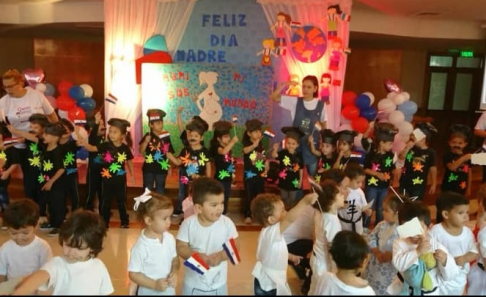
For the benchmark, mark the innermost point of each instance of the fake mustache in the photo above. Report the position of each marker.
(456, 148)
(193, 140)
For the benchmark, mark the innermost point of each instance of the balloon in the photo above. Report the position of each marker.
(398, 99)
(350, 112)
(357, 141)
(64, 86)
(382, 117)
(396, 117)
(391, 95)
(409, 117)
(363, 101)
(371, 96)
(368, 113)
(408, 107)
(344, 127)
(398, 144)
(50, 90)
(87, 104)
(76, 113)
(392, 86)
(65, 103)
(359, 125)
(76, 92)
(348, 98)
(52, 101)
(405, 129)
(41, 87)
(33, 76)
(386, 105)
(62, 114)
(406, 95)
(88, 90)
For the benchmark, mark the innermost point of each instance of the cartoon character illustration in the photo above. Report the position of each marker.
(267, 51)
(294, 89)
(333, 19)
(282, 23)
(325, 87)
(336, 53)
(211, 111)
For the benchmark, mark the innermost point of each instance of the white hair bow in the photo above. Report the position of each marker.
(142, 198)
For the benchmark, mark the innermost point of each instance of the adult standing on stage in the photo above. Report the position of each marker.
(18, 105)
(305, 112)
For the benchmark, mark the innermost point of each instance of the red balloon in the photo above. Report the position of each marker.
(65, 103)
(348, 98)
(350, 112)
(64, 86)
(76, 113)
(359, 125)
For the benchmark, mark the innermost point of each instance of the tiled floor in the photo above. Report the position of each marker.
(117, 252)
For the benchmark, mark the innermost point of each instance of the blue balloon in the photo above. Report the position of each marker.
(408, 108)
(368, 113)
(87, 104)
(50, 90)
(82, 154)
(408, 118)
(76, 92)
(362, 102)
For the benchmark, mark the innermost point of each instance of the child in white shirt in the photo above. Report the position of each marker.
(350, 252)
(24, 253)
(154, 263)
(77, 271)
(456, 237)
(351, 216)
(475, 279)
(205, 233)
(270, 270)
(327, 225)
(408, 253)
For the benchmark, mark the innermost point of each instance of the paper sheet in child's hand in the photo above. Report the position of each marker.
(368, 206)
(478, 159)
(7, 288)
(410, 228)
(418, 134)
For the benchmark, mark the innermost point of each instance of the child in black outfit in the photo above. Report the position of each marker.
(326, 153)
(93, 173)
(70, 177)
(9, 161)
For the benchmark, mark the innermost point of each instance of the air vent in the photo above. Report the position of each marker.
(427, 14)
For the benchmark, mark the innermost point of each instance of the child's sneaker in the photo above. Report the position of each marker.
(45, 226)
(54, 232)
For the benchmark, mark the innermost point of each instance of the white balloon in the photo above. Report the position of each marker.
(371, 96)
(405, 129)
(396, 117)
(41, 87)
(391, 95)
(88, 90)
(386, 105)
(406, 95)
(398, 99)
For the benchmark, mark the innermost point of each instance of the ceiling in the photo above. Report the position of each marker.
(463, 10)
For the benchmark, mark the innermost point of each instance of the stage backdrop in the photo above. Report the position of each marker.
(213, 91)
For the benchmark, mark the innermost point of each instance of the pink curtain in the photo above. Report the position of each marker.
(315, 13)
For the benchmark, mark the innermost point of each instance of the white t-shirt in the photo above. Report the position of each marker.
(17, 261)
(207, 240)
(481, 125)
(302, 227)
(290, 103)
(356, 202)
(272, 253)
(327, 226)
(329, 284)
(457, 246)
(80, 278)
(153, 258)
(18, 110)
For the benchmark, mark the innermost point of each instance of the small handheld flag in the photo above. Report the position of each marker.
(268, 132)
(234, 118)
(79, 122)
(111, 98)
(164, 135)
(231, 251)
(197, 264)
(295, 24)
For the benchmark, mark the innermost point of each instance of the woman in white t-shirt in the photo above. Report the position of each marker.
(17, 106)
(307, 112)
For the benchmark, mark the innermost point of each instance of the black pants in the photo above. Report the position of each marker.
(301, 247)
(93, 186)
(30, 175)
(56, 202)
(71, 187)
(119, 191)
(253, 187)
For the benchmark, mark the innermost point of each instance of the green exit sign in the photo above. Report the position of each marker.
(467, 54)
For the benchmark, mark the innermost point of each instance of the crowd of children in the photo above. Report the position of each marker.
(324, 231)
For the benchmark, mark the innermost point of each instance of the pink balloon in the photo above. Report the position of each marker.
(398, 144)
(396, 117)
(386, 105)
(33, 76)
(405, 129)
(52, 101)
